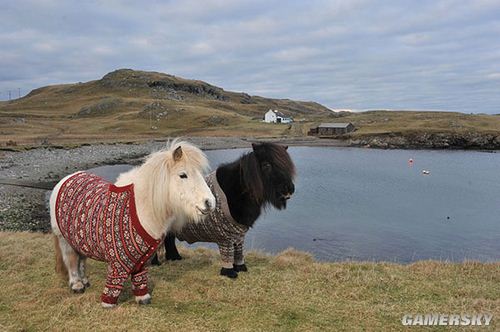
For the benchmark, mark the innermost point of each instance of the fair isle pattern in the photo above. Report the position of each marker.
(219, 227)
(99, 220)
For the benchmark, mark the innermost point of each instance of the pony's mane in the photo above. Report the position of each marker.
(280, 157)
(251, 178)
(192, 155)
(250, 168)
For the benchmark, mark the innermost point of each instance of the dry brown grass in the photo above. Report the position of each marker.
(383, 122)
(53, 114)
(283, 293)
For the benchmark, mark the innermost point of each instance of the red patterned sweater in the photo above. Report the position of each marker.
(99, 220)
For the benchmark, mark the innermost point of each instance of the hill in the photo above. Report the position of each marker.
(129, 104)
(288, 292)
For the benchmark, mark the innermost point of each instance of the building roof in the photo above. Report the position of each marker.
(334, 125)
(278, 113)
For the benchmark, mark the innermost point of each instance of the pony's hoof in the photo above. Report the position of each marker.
(240, 268)
(230, 273)
(155, 260)
(86, 283)
(108, 305)
(144, 299)
(78, 287)
(176, 257)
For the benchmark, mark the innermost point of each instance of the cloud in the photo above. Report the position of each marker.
(343, 54)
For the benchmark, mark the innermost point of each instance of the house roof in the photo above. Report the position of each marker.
(334, 125)
(278, 113)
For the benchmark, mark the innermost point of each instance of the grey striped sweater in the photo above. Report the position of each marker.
(219, 227)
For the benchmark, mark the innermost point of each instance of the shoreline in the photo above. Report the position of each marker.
(25, 209)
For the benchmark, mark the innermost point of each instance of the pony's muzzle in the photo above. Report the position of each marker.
(290, 189)
(209, 206)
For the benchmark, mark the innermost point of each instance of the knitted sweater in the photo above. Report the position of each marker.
(219, 227)
(99, 220)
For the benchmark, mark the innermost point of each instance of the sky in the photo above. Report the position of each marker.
(436, 55)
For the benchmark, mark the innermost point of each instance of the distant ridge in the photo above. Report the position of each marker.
(150, 86)
(131, 104)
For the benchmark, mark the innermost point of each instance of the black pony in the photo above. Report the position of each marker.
(257, 179)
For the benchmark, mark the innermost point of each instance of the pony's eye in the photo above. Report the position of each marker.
(183, 176)
(266, 166)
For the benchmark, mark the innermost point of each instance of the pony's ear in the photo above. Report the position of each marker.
(178, 154)
(251, 177)
(286, 147)
(255, 146)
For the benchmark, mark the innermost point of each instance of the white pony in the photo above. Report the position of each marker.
(123, 224)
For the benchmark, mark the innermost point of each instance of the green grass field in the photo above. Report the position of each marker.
(287, 292)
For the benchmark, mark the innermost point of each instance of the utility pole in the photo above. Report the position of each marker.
(9, 94)
(18, 92)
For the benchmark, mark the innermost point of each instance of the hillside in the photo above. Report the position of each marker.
(126, 104)
(288, 292)
(422, 129)
(129, 105)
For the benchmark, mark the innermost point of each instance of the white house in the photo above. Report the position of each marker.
(275, 116)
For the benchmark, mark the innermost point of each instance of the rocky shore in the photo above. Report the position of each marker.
(471, 140)
(26, 177)
(23, 206)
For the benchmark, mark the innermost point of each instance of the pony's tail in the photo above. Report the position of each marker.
(60, 266)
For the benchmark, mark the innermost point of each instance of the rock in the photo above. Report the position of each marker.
(197, 88)
(156, 110)
(431, 141)
(246, 99)
(104, 106)
(160, 93)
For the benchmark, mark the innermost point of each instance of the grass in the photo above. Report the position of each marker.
(287, 292)
(400, 122)
(53, 114)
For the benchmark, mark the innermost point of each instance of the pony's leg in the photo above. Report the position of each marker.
(155, 260)
(113, 287)
(227, 255)
(239, 260)
(171, 253)
(71, 260)
(82, 266)
(140, 287)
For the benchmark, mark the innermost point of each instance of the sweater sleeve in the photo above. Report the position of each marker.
(226, 249)
(140, 283)
(114, 285)
(238, 253)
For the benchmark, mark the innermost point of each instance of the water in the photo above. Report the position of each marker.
(361, 204)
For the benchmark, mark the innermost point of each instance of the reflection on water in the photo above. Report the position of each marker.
(373, 205)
